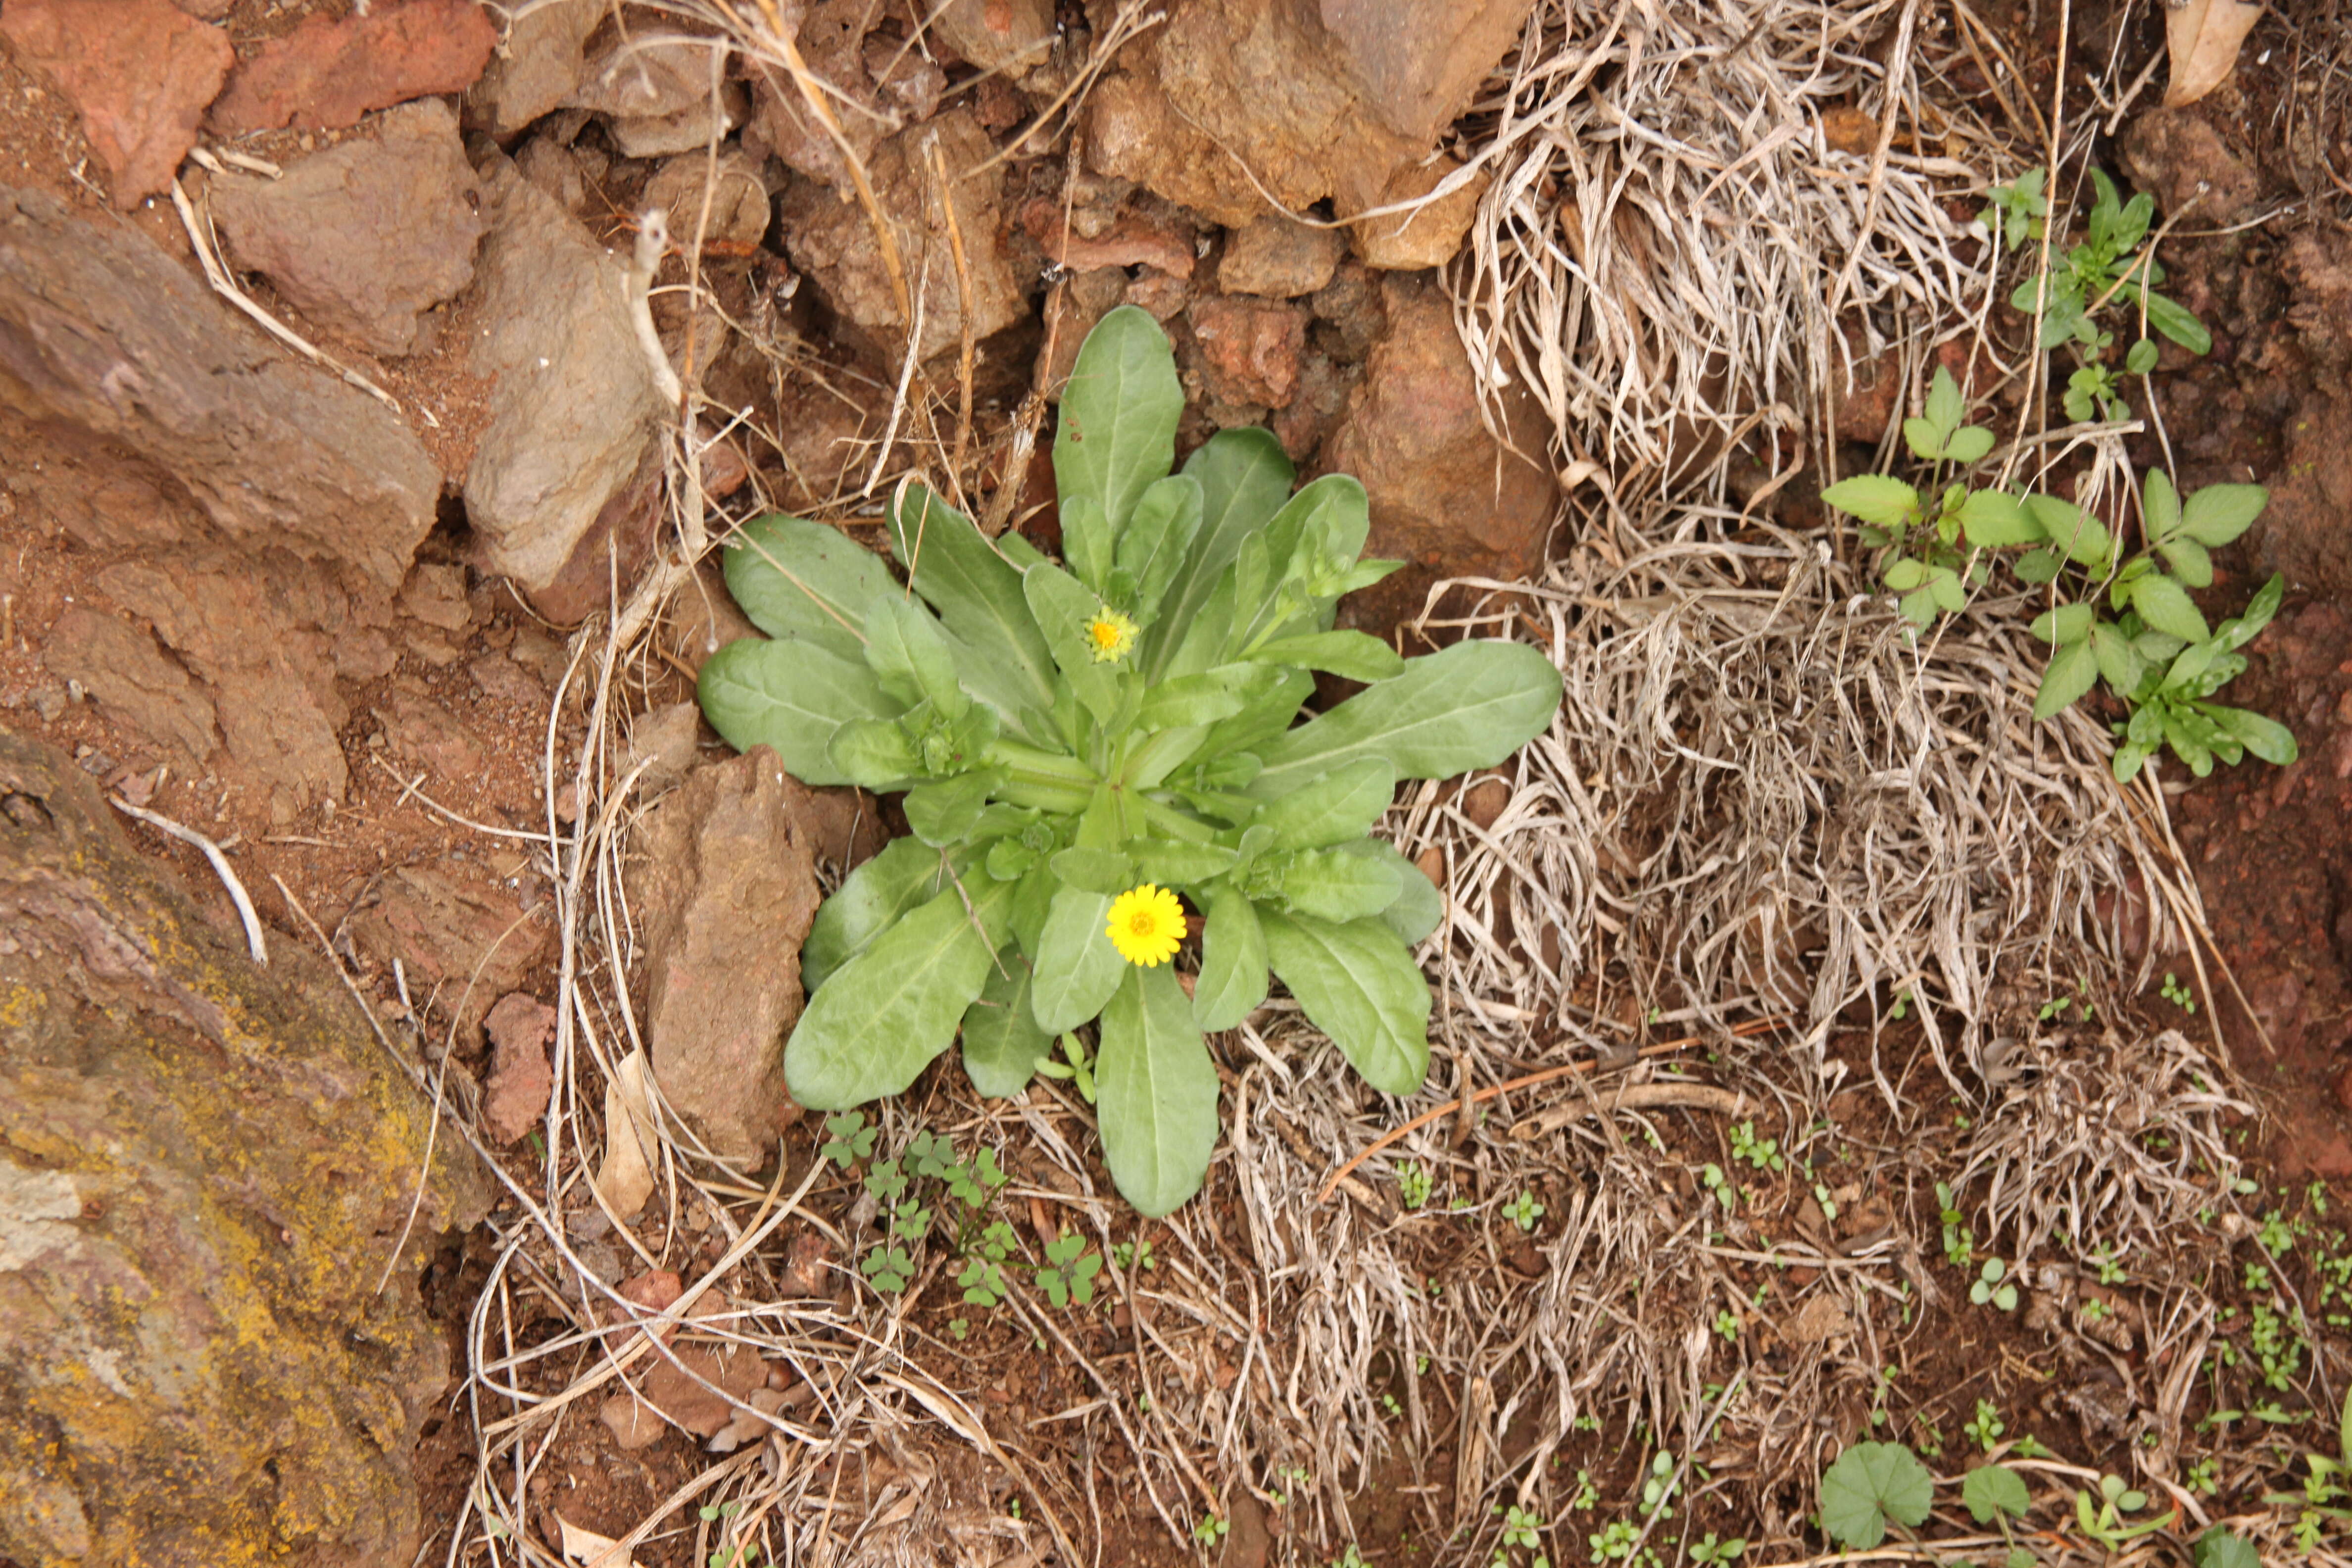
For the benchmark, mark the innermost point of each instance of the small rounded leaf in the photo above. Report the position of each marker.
(1870, 1484)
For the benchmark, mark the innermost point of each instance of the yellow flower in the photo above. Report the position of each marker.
(1146, 924)
(1110, 635)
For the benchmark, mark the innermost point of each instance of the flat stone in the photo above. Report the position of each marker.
(737, 204)
(1012, 36)
(1249, 348)
(328, 72)
(654, 97)
(436, 594)
(133, 682)
(1419, 62)
(574, 410)
(543, 59)
(452, 925)
(211, 1314)
(419, 731)
(520, 1027)
(365, 238)
(664, 739)
(101, 329)
(1280, 258)
(1446, 497)
(140, 72)
(726, 891)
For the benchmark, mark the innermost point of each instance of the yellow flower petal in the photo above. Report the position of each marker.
(1147, 924)
(1110, 635)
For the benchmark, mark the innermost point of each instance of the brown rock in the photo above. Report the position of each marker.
(1422, 61)
(1072, 306)
(365, 238)
(502, 678)
(1249, 348)
(697, 1392)
(833, 242)
(1153, 291)
(2177, 154)
(1012, 36)
(1414, 226)
(542, 60)
(204, 10)
(1135, 237)
(557, 170)
(419, 731)
(572, 412)
(206, 1168)
(328, 72)
(654, 1291)
(727, 889)
(1446, 497)
(436, 594)
(654, 96)
(663, 741)
(737, 198)
(249, 627)
(521, 1028)
(454, 927)
(133, 682)
(1278, 258)
(1863, 395)
(140, 72)
(704, 618)
(833, 46)
(103, 331)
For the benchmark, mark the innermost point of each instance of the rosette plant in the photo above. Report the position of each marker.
(1080, 742)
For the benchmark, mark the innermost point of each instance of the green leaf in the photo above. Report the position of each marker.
(2166, 606)
(1995, 519)
(978, 595)
(1077, 967)
(1160, 537)
(1063, 607)
(944, 813)
(1419, 909)
(907, 874)
(2066, 624)
(1336, 886)
(1107, 871)
(2247, 625)
(2141, 359)
(2082, 537)
(2189, 561)
(2159, 506)
(1120, 410)
(1001, 1042)
(1245, 479)
(875, 754)
(1947, 590)
(1903, 574)
(1353, 656)
(803, 579)
(1991, 1490)
(909, 654)
(1171, 863)
(2220, 1547)
(2074, 669)
(1201, 698)
(1233, 977)
(2119, 663)
(1088, 548)
(1969, 444)
(1870, 1484)
(1873, 497)
(2266, 738)
(1267, 712)
(1340, 806)
(887, 1013)
(2175, 322)
(1358, 984)
(1469, 706)
(2218, 513)
(790, 695)
(1155, 1093)
(2039, 566)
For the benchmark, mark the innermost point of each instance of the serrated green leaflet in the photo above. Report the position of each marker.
(1155, 1093)
(1358, 984)
(883, 1017)
(1873, 497)
(1467, 706)
(789, 695)
(1870, 1484)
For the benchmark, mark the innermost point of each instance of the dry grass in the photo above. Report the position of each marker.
(1761, 799)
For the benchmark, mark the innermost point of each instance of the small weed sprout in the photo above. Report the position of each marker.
(1524, 1211)
(2178, 992)
(1719, 1554)
(1413, 1183)
(1764, 1153)
(1992, 1286)
(1985, 1428)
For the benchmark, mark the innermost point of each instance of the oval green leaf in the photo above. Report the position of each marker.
(1001, 1042)
(789, 695)
(1077, 967)
(2072, 672)
(797, 578)
(1469, 706)
(1155, 1093)
(1359, 984)
(886, 1014)
(1120, 410)
(1233, 978)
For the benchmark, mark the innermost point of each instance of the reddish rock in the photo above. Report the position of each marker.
(454, 928)
(1155, 291)
(1249, 348)
(1072, 306)
(543, 59)
(698, 1392)
(140, 72)
(420, 731)
(727, 892)
(1133, 239)
(1421, 62)
(997, 35)
(2177, 154)
(1280, 258)
(133, 682)
(521, 1028)
(365, 237)
(326, 72)
(1446, 497)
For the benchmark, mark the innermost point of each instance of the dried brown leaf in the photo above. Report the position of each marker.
(2202, 38)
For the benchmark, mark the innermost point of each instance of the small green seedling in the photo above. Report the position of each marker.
(1413, 1183)
(2178, 994)
(2103, 1521)
(1985, 1428)
(1067, 1275)
(1995, 1492)
(1991, 1285)
(1719, 1554)
(1764, 1153)
(1524, 1211)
